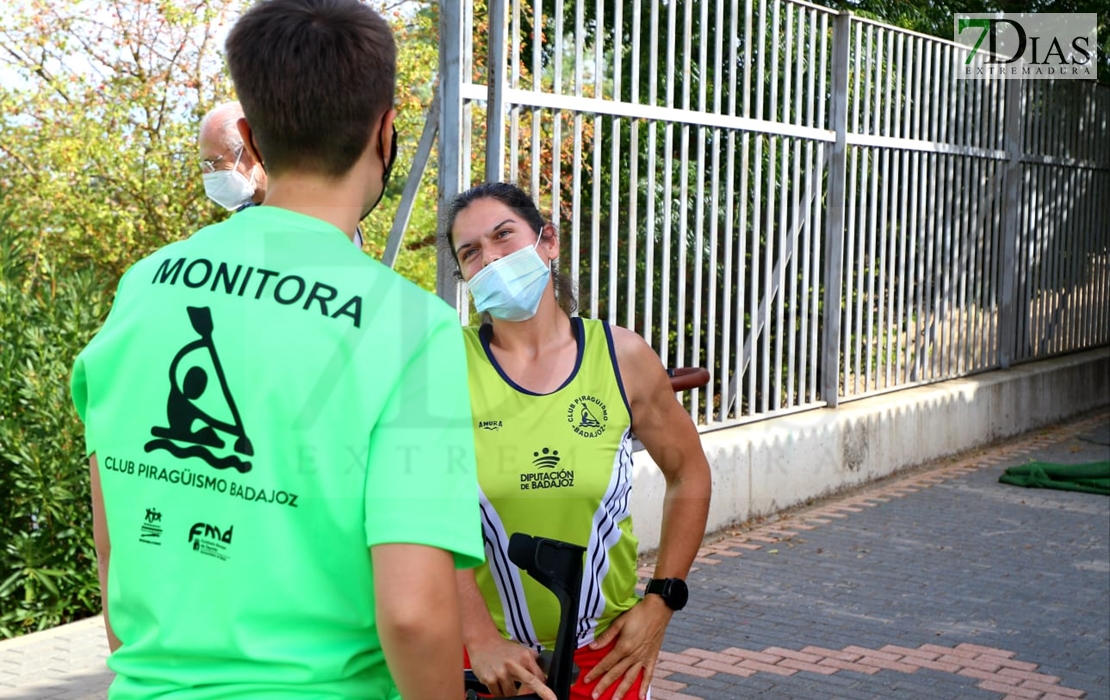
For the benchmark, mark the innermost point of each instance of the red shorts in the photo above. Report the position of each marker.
(586, 658)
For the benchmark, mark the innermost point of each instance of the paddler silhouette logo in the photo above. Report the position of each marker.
(187, 405)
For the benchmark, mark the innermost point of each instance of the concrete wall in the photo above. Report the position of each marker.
(764, 467)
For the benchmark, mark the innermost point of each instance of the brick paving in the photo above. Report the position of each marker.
(938, 583)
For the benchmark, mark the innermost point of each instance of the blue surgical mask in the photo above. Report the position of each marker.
(510, 288)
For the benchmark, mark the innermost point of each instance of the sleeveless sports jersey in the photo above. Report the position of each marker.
(257, 401)
(556, 465)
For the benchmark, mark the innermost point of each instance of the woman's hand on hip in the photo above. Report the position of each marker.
(639, 633)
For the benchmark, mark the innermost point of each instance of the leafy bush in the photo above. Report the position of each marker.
(47, 557)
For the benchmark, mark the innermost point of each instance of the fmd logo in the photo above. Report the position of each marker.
(1035, 46)
(211, 540)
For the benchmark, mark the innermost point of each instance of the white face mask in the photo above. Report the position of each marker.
(510, 288)
(229, 188)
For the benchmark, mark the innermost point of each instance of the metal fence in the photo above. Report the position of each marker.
(809, 204)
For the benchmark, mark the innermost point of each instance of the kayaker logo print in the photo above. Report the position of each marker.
(199, 416)
(588, 416)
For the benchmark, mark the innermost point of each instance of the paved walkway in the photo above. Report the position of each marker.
(940, 583)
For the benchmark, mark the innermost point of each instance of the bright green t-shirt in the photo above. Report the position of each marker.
(555, 465)
(266, 403)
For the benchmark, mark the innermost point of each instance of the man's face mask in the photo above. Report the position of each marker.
(229, 188)
(510, 288)
(385, 175)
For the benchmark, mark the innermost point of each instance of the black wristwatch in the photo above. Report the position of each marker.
(673, 591)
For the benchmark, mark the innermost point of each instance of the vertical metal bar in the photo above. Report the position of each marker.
(1072, 253)
(971, 241)
(699, 212)
(990, 263)
(742, 228)
(1010, 221)
(1048, 259)
(614, 163)
(576, 167)
(514, 82)
(729, 354)
(898, 221)
(495, 112)
(598, 36)
(947, 130)
(668, 170)
(922, 67)
(768, 258)
(928, 200)
(537, 86)
(1027, 230)
(834, 229)
(798, 199)
(1035, 237)
(889, 189)
(808, 352)
(860, 246)
(451, 76)
(557, 118)
(960, 243)
(634, 156)
(715, 168)
(870, 359)
(970, 300)
(784, 233)
(684, 185)
(1086, 245)
(856, 97)
(757, 221)
(912, 267)
(818, 230)
(650, 224)
(905, 230)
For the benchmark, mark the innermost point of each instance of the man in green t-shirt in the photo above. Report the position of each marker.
(278, 427)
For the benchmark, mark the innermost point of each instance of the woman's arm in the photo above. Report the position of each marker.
(103, 547)
(672, 440)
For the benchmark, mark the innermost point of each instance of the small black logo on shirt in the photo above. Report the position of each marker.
(546, 458)
(588, 416)
(210, 540)
(492, 425)
(151, 530)
(182, 439)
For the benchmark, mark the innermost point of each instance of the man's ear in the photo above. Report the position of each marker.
(385, 139)
(249, 143)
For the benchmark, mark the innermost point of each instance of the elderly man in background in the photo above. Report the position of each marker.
(233, 178)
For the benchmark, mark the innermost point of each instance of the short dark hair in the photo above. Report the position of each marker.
(522, 205)
(314, 77)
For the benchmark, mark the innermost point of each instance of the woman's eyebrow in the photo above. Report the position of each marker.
(492, 230)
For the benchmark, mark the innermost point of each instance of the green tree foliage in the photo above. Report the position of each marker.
(98, 130)
(47, 560)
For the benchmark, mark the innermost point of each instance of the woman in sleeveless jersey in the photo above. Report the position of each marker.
(555, 401)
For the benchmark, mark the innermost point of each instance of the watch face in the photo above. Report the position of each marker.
(677, 595)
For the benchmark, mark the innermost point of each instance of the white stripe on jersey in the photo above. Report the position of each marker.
(506, 575)
(604, 535)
